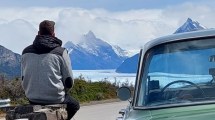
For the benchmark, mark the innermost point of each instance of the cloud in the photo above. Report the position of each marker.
(16, 35)
(200, 12)
(127, 29)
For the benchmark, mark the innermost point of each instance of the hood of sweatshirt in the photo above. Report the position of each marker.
(46, 43)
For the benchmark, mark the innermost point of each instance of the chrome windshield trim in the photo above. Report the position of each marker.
(138, 76)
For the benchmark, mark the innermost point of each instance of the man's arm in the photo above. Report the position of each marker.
(67, 71)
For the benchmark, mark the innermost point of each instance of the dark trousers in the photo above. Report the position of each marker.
(72, 105)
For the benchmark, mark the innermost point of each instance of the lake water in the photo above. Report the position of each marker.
(110, 75)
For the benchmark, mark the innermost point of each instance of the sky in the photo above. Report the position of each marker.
(126, 23)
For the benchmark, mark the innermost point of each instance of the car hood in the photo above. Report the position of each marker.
(200, 112)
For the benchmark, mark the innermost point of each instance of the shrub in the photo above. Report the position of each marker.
(83, 90)
(12, 89)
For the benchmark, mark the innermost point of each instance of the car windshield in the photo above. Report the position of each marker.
(178, 73)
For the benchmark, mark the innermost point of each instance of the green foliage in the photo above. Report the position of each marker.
(12, 89)
(83, 90)
(86, 91)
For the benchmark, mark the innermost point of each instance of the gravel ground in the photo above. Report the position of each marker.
(105, 111)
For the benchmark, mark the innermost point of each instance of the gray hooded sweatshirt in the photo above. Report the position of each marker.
(46, 70)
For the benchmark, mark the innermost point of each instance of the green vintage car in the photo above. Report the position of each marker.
(175, 79)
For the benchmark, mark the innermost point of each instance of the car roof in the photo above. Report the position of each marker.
(179, 36)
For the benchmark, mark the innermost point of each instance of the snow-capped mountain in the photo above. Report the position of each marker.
(119, 51)
(190, 25)
(132, 62)
(69, 46)
(93, 45)
(93, 53)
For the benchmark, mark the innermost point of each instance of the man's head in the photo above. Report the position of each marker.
(46, 27)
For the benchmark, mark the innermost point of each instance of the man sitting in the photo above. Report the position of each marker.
(46, 70)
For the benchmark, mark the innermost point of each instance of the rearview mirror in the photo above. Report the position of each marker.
(212, 58)
(124, 93)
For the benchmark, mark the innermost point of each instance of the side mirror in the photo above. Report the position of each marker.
(124, 93)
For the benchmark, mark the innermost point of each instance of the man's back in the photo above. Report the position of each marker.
(46, 70)
(43, 80)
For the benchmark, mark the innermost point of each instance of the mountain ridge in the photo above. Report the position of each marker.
(190, 25)
(92, 53)
(10, 63)
(132, 62)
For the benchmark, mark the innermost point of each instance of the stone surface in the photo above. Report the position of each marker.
(38, 112)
